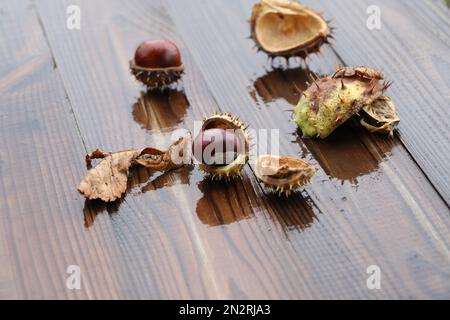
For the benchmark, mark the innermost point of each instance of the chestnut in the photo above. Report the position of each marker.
(216, 147)
(157, 54)
(222, 146)
(157, 63)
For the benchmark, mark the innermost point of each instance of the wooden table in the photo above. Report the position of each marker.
(374, 201)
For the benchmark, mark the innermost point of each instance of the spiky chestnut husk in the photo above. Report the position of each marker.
(283, 174)
(380, 116)
(156, 78)
(232, 170)
(362, 72)
(287, 28)
(332, 100)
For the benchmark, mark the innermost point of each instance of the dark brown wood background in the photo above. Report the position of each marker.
(374, 201)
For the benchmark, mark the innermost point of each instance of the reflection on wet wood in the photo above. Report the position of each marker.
(413, 51)
(160, 110)
(288, 214)
(344, 157)
(213, 194)
(179, 235)
(358, 173)
(272, 85)
(141, 181)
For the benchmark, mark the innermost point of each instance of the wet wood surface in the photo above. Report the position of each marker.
(374, 201)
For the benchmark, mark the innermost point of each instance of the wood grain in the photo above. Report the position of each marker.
(357, 169)
(41, 227)
(159, 226)
(412, 47)
(179, 235)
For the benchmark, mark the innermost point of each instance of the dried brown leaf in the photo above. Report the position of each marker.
(108, 179)
(173, 158)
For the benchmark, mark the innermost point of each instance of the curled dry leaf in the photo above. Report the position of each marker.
(108, 179)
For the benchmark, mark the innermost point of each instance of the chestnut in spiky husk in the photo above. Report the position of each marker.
(287, 28)
(222, 146)
(332, 100)
(282, 173)
(157, 63)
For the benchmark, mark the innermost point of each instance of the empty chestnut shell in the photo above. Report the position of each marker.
(157, 63)
(283, 174)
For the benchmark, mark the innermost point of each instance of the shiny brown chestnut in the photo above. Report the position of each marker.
(157, 63)
(229, 137)
(216, 147)
(157, 54)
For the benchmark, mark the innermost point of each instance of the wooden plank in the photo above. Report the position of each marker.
(93, 63)
(163, 226)
(412, 48)
(176, 235)
(41, 220)
(371, 203)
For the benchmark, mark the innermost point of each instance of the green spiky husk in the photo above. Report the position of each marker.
(330, 102)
